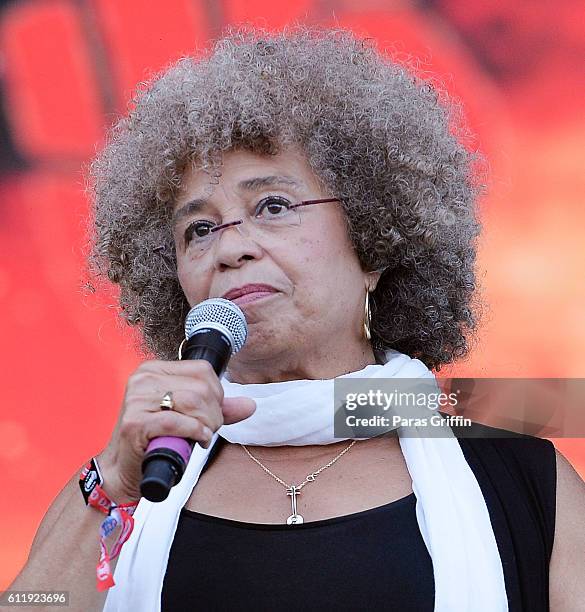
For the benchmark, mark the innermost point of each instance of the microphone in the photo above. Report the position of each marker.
(215, 329)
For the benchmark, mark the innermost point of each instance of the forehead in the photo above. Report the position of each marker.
(245, 171)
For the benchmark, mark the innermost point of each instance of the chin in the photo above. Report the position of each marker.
(263, 344)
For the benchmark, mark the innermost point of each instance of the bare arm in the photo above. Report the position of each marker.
(567, 566)
(65, 552)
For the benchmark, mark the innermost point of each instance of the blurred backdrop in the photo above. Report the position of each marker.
(67, 71)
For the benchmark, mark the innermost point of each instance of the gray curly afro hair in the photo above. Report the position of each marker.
(386, 142)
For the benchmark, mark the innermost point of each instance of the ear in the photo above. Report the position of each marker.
(372, 279)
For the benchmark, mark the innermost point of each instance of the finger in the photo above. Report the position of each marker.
(191, 403)
(155, 386)
(188, 367)
(184, 401)
(201, 375)
(237, 409)
(170, 423)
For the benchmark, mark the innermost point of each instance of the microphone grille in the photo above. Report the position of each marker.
(220, 314)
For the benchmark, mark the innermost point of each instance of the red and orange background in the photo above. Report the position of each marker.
(67, 70)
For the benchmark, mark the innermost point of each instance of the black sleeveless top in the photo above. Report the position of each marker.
(375, 558)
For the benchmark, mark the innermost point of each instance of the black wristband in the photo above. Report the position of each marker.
(89, 478)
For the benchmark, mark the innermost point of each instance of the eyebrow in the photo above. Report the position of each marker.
(251, 184)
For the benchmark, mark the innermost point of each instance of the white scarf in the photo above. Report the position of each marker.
(450, 509)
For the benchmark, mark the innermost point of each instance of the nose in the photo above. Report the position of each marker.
(233, 246)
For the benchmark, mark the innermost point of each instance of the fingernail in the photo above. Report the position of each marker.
(207, 432)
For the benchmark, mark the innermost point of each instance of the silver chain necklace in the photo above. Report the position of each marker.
(293, 490)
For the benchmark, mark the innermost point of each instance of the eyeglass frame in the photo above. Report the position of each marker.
(303, 203)
(222, 226)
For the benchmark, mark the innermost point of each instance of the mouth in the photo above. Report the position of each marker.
(250, 292)
(254, 296)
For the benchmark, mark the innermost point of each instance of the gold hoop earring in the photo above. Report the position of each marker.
(367, 317)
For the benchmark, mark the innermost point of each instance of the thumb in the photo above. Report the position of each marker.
(236, 409)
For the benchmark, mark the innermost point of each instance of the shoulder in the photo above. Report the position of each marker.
(570, 491)
(542, 492)
(516, 472)
(520, 452)
(567, 566)
(514, 462)
(547, 481)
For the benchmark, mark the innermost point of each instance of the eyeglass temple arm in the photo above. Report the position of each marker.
(303, 203)
(320, 201)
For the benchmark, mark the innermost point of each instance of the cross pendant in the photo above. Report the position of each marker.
(294, 518)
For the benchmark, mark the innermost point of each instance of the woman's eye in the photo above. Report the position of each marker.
(273, 207)
(197, 229)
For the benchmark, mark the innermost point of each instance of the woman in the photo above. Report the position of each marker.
(372, 275)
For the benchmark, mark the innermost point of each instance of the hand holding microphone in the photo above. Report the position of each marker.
(215, 329)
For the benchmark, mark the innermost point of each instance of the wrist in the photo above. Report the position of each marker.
(118, 523)
(112, 484)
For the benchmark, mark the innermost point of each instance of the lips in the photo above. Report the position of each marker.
(238, 292)
(249, 298)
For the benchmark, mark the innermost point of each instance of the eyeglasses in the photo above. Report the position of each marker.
(273, 215)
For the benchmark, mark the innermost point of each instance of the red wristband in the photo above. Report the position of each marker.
(116, 515)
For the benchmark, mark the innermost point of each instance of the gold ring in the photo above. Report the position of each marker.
(167, 401)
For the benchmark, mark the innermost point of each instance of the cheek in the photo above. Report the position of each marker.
(321, 268)
(327, 275)
(328, 255)
(192, 284)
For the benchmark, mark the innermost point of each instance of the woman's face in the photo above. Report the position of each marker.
(317, 286)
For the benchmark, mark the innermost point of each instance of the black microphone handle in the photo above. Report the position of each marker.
(163, 468)
(210, 345)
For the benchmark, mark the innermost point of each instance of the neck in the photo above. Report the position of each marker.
(294, 457)
(301, 365)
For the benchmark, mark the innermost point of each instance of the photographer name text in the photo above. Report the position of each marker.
(436, 420)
